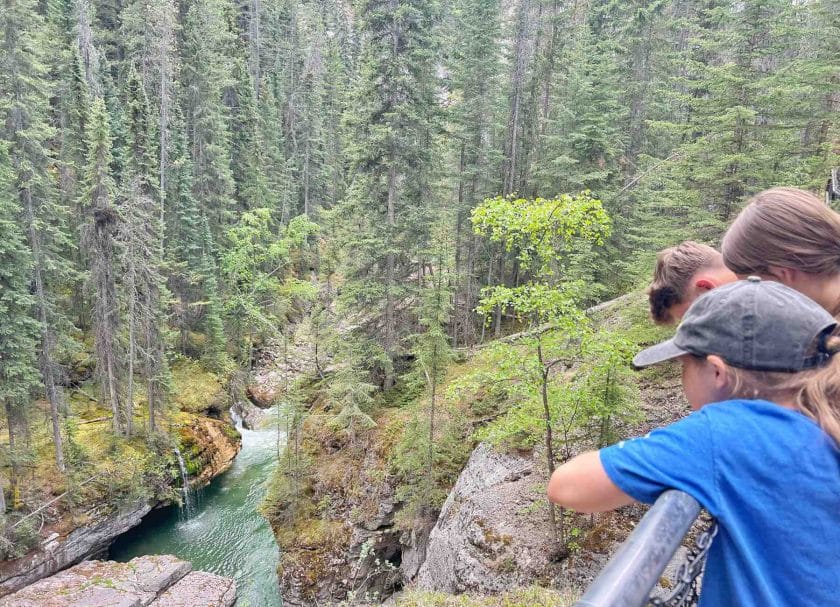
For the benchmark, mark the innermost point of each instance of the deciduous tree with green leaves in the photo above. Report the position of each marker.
(544, 233)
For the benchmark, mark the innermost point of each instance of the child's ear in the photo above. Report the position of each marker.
(721, 373)
(704, 284)
(786, 276)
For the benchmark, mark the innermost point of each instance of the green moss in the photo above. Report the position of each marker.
(194, 388)
(520, 597)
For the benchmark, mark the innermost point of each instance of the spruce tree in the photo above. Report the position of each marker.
(191, 258)
(101, 228)
(206, 71)
(384, 215)
(25, 111)
(248, 166)
(141, 239)
(739, 47)
(19, 331)
(475, 67)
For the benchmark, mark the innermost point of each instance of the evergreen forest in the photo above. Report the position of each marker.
(386, 184)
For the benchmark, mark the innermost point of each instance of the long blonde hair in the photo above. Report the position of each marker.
(783, 227)
(815, 392)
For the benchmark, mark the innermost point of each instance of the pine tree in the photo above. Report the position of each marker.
(19, 332)
(148, 28)
(192, 258)
(70, 103)
(103, 223)
(475, 68)
(141, 239)
(248, 166)
(385, 211)
(206, 71)
(89, 56)
(26, 110)
(740, 46)
(432, 354)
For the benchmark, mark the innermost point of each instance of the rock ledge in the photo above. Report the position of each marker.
(145, 581)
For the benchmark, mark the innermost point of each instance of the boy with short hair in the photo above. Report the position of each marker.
(682, 274)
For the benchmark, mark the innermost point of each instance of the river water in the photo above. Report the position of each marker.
(225, 535)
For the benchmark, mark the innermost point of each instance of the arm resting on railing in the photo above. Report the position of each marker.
(632, 572)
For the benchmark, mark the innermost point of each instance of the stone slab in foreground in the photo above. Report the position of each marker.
(199, 588)
(146, 581)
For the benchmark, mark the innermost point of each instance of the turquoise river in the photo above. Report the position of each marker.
(225, 534)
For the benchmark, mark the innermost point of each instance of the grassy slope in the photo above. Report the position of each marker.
(520, 597)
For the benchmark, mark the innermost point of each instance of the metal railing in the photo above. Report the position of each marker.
(634, 570)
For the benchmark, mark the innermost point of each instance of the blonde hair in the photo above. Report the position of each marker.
(814, 392)
(674, 268)
(783, 227)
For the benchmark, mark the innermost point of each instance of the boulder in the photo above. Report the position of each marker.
(55, 553)
(211, 445)
(492, 533)
(199, 589)
(104, 583)
(145, 581)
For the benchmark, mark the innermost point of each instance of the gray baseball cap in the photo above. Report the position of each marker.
(751, 324)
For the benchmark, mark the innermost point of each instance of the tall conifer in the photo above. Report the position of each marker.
(25, 111)
(385, 211)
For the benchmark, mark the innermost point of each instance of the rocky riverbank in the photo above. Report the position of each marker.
(153, 581)
(55, 552)
(210, 445)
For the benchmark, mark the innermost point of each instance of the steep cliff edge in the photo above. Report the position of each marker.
(210, 446)
(334, 521)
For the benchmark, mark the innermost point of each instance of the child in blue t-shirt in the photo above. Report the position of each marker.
(760, 452)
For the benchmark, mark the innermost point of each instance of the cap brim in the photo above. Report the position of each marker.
(659, 353)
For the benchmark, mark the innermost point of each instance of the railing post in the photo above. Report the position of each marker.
(632, 572)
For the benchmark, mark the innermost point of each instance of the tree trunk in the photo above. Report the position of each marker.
(390, 279)
(497, 317)
(431, 455)
(84, 40)
(14, 472)
(132, 346)
(517, 91)
(47, 337)
(558, 532)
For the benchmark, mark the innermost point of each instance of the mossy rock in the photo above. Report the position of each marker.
(521, 597)
(195, 389)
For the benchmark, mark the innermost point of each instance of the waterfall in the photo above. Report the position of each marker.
(188, 507)
(237, 419)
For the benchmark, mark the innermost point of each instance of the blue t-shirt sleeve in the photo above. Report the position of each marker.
(678, 456)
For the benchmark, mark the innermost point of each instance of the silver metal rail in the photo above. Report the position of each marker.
(632, 572)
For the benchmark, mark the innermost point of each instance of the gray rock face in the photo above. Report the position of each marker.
(199, 589)
(492, 532)
(251, 416)
(55, 554)
(153, 581)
